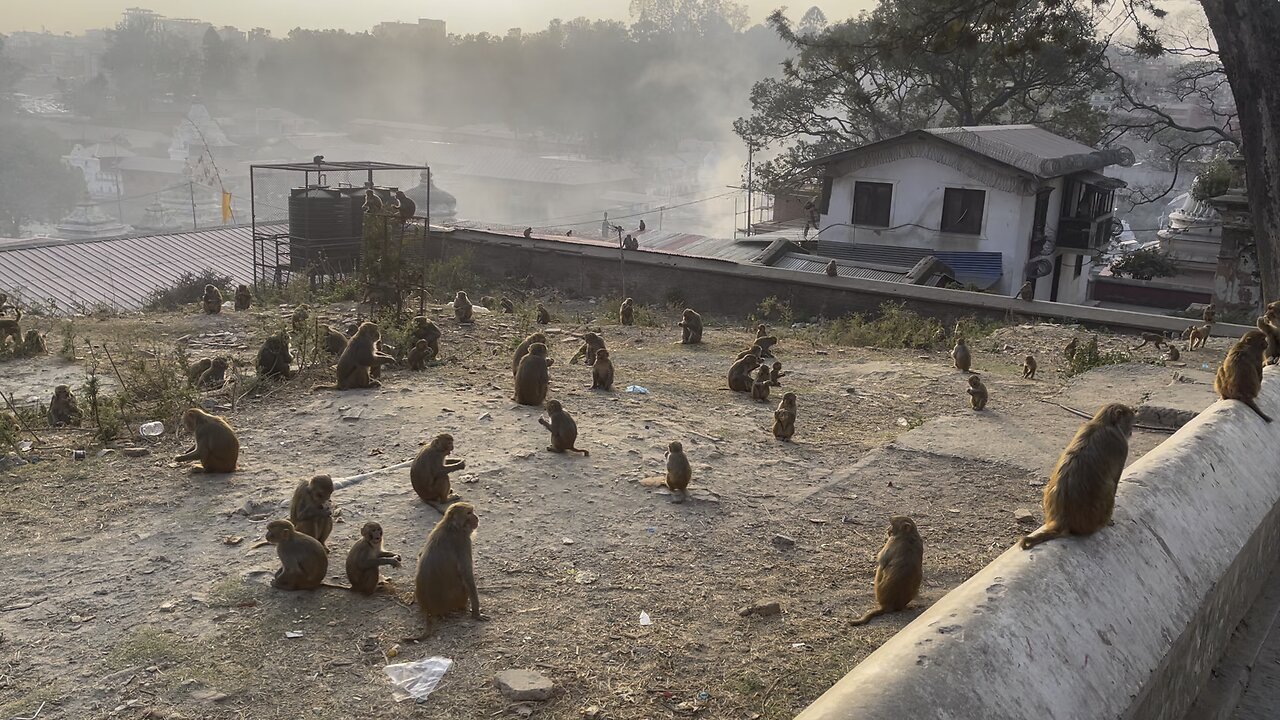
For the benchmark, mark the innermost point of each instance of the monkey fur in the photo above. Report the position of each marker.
(372, 203)
(564, 431)
(11, 328)
(215, 376)
(445, 579)
(419, 355)
(1150, 338)
(591, 344)
(960, 355)
(311, 510)
(216, 445)
(463, 310)
(776, 374)
(63, 409)
(760, 388)
(243, 298)
(274, 358)
(977, 393)
(679, 471)
(626, 313)
(34, 344)
(899, 568)
(506, 305)
(334, 340)
(523, 349)
(1240, 375)
(359, 356)
(784, 418)
(429, 473)
(740, 373)
(366, 558)
(425, 329)
(1027, 292)
(1029, 367)
(691, 328)
(303, 559)
(212, 300)
(544, 317)
(832, 269)
(602, 371)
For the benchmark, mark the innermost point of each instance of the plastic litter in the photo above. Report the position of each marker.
(639, 390)
(645, 619)
(25, 445)
(152, 429)
(416, 680)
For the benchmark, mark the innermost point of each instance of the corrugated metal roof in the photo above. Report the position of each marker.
(983, 269)
(815, 264)
(120, 273)
(661, 241)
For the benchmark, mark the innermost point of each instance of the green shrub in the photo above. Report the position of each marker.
(1145, 264)
(1089, 356)
(187, 289)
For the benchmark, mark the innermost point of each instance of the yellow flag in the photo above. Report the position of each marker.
(226, 207)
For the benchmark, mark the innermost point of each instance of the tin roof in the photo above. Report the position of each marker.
(983, 269)
(121, 272)
(817, 264)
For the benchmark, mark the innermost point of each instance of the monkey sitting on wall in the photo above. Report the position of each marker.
(1240, 375)
(212, 300)
(899, 568)
(216, 445)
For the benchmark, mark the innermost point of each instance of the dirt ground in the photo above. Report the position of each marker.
(131, 589)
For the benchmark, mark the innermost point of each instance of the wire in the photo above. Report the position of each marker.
(647, 212)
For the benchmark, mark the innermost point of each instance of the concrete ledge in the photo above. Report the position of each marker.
(1126, 624)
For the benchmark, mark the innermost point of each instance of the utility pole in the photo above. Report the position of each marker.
(751, 149)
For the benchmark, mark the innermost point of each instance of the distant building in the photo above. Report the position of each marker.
(425, 29)
(1193, 238)
(1037, 199)
(88, 221)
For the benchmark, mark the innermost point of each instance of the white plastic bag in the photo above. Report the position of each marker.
(416, 680)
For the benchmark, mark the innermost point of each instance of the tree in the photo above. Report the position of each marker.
(88, 98)
(34, 184)
(144, 62)
(11, 71)
(866, 79)
(1147, 264)
(813, 22)
(688, 17)
(218, 65)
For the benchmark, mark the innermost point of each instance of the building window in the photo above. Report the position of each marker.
(962, 211)
(1079, 265)
(871, 203)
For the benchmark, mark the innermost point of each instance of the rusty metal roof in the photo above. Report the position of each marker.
(119, 273)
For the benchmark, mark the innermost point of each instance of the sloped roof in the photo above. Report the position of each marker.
(818, 264)
(983, 269)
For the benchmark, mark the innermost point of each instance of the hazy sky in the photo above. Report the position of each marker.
(462, 16)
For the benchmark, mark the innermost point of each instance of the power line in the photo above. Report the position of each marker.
(646, 212)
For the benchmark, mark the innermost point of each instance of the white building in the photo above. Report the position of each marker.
(1015, 201)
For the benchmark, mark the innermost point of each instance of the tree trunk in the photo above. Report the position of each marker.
(1247, 32)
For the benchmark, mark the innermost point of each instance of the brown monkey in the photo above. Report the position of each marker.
(507, 305)
(1209, 313)
(212, 300)
(372, 203)
(1081, 493)
(300, 316)
(766, 343)
(761, 330)
(740, 373)
(274, 359)
(899, 568)
(486, 301)
(832, 269)
(404, 205)
(626, 313)
(303, 559)
(419, 354)
(784, 418)
(1150, 338)
(216, 445)
(776, 374)
(753, 351)
(1173, 355)
(523, 349)
(365, 559)
(63, 409)
(1070, 350)
(602, 371)
(977, 393)
(463, 310)
(334, 341)
(1198, 336)
(429, 473)
(960, 355)
(1027, 292)
(361, 354)
(1266, 323)
(532, 378)
(544, 317)
(591, 344)
(195, 371)
(528, 232)
(1029, 367)
(34, 344)
(691, 333)
(311, 510)
(760, 388)
(9, 328)
(215, 376)
(446, 578)
(243, 298)
(425, 329)
(1240, 375)
(679, 472)
(564, 431)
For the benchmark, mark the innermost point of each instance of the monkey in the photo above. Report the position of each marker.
(9, 328)
(215, 376)
(1029, 368)
(602, 371)
(642, 228)
(784, 418)
(355, 361)
(1070, 350)
(375, 371)
(1081, 493)
(564, 431)
(4, 302)
(753, 351)
(776, 374)
(303, 559)
(630, 243)
(405, 207)
(1209, 314)
(486, 301)
(334, 340)
(372, 203)
(425, 329)
(760, 388)
(1173, 355)
(544, 317)
(506, 305)
(197, 370)
(523, 349)
(462, 308)
(626, 313)
(591, 344)
(766, 343)
(419, 355)
(300, 316)
(832, 269)
(1268, 324)
(679, 472)
(960, 355)
(977, 393)
(528, 232)
(568, 233)
(1240, 375)
(761, 330)
(216, 445)
(1027, 292)
(532, 377)
(1198, 336)
(274, 359)
(365, 559)
(1157, 339)
(34, 344)
(311, 511)
(63, 409)
(212, 300)
(429, 473)
(740, 373)
(243, 298)
(446, 580)
(691, 334)
(899, 568)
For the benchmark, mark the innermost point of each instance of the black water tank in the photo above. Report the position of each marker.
(325, 223)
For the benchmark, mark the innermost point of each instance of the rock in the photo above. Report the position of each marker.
(591, 712)
(105, 452)
(784, 541)
(485, 416)
(522, 685)
(169, 606)
(135, 452)
(1024, 515)
(763, 609)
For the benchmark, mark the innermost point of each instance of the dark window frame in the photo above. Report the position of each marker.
(968, 222)
(875, 215)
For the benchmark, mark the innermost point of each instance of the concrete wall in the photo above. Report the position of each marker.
(1124, 624)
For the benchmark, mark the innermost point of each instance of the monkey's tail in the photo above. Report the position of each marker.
(867, 618)
(335, 587)
(587, 454)
(324, 387)
(1254, 406)
(1045, 533)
